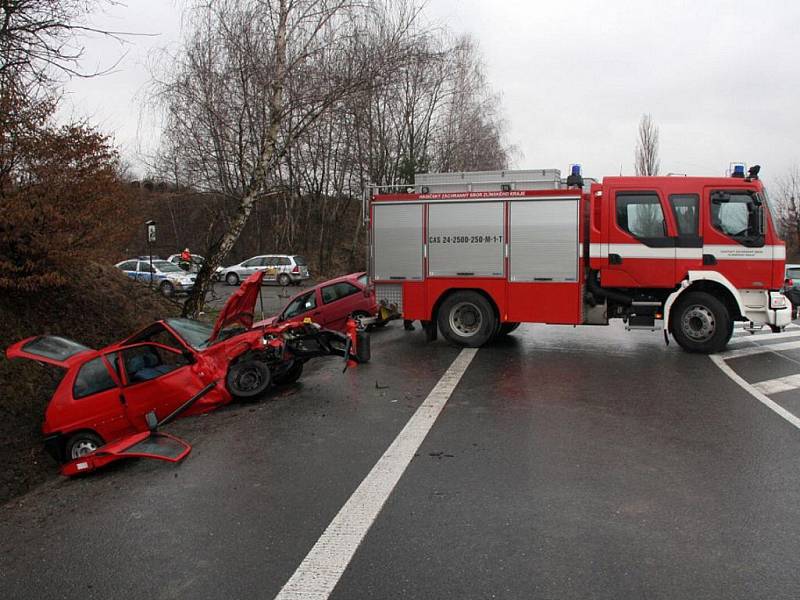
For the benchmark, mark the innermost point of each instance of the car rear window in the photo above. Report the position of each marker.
(54, 347)
(792, 273)
(300, 261)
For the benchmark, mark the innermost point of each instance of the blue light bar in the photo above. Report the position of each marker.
(576, 169)
(738, 170)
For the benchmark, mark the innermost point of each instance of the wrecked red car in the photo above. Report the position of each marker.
(172, 366)
(331, 303)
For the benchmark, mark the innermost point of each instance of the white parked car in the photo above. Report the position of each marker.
(285, 269)
(166, 276)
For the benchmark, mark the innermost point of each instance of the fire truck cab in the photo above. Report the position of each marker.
(473, 255)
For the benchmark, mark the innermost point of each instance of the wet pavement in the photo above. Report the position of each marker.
(567, 463)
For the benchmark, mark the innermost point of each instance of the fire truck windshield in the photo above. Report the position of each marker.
(739, 215)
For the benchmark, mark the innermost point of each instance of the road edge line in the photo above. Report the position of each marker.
(763, 398)
(323, 566)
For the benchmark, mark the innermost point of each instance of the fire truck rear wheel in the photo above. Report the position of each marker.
(701, 323)
(467, 319)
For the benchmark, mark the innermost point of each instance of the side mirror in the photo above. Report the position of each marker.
(152, 420)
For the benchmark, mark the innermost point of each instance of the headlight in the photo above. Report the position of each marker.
(777, 301)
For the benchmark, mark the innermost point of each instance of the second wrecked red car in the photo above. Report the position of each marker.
(172, 365)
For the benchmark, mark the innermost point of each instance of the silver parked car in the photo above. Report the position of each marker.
(169, 278)
(283, 268)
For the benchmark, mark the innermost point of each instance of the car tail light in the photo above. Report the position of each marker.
(296, 269)
(790, 282)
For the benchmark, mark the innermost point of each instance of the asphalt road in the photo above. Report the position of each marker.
(566, 463)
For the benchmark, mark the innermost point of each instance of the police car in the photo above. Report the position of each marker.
(168, 277)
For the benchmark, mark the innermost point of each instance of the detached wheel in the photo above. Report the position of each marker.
(81, 444)
(506, 328)
(248, 378)
(167, 289)
(701, 323)
(467, 319)
(284, 279)
(291, 374)
(232, 279)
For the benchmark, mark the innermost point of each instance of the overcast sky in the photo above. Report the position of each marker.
(721, 78)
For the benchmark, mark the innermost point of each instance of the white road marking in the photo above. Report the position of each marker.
(747, 337)
(757, 394)
(781, 384)
(322, 567)
(751, 350)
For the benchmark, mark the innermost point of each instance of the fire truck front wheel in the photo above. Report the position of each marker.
(701, 323)
(467, 319)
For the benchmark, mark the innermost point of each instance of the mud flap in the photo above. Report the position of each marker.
(147, 444)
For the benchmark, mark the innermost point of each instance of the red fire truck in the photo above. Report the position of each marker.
(473, 255)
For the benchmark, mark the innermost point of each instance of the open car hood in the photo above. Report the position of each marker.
(240, 307)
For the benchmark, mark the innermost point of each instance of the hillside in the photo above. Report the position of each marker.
(98, 306)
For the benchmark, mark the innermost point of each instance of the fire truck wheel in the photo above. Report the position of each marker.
(248, 378)
(291, 374)
(81, 444)
(701, 323)
(467, 319)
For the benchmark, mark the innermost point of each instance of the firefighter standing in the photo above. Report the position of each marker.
(186, 260)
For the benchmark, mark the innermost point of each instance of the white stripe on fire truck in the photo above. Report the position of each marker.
(719, 251)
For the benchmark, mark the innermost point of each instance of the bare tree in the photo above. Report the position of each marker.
(647, 162)
(42, 39)
(786, 199)
(252, 78)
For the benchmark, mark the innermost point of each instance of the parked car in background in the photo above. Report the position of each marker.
(196, 263)
(329, 303)
(285, 269)
(168, 277)
(791, 287)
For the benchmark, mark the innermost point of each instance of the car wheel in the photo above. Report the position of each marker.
(701, 323)
(467, 319)
(232, 279)
(291, 374)
(81, 444)
(284, 279)
(506, 328)
(248, 378)
(167, 289)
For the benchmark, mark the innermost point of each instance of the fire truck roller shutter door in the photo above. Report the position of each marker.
(397, 245)
(544, 240)
(465, 239)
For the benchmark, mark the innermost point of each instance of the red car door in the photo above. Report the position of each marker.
(339, 301)
(155, 377)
